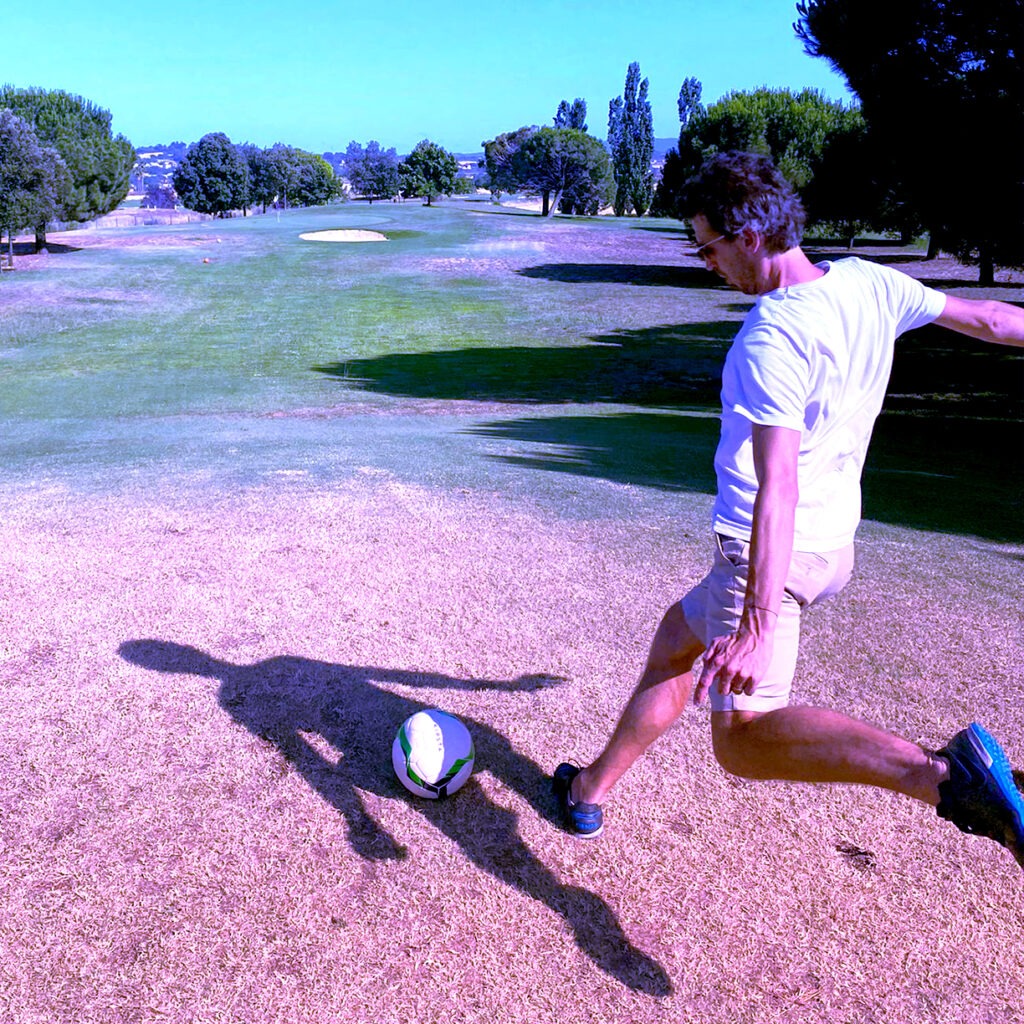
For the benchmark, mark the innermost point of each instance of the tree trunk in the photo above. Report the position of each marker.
(933, 245)
(986, 267)
(41, 239)
(545, 204)
(555, 199)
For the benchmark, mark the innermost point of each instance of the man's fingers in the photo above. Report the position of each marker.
(705, 680)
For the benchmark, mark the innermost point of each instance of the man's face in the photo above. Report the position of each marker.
(727, 256)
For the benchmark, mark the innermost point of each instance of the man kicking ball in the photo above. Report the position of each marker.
(802, 385)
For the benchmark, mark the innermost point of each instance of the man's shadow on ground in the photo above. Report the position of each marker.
(280, 699)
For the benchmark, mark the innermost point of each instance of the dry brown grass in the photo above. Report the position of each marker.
(199, 822)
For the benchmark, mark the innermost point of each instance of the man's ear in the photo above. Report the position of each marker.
(750, 240)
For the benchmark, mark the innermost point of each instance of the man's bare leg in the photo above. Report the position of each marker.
(658, 700)
(805, 744)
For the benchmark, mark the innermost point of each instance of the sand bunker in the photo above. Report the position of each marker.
(348, 235)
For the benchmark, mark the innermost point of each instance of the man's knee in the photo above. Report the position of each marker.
(675, 646)
(727, 739)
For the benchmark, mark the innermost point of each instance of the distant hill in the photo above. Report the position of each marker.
(155, 165)
(661, 147)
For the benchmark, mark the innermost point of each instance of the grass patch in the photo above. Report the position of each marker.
(463, 306)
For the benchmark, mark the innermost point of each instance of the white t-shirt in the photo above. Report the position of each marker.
(815, 357)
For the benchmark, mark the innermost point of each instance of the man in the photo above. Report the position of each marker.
(801, 387)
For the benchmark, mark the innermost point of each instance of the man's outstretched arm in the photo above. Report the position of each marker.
(986, 319)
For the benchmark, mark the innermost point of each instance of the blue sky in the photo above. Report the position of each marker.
(318, 74)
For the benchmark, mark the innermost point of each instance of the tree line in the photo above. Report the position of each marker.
(573, 171)
(217, 176)
(932, 145)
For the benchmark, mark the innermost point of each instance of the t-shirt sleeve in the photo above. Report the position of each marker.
(768, 379)
(912, 304)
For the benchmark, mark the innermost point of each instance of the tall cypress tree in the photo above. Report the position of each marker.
(572, 115)
(631, 141)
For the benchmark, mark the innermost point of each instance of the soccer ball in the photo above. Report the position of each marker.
(432, 754)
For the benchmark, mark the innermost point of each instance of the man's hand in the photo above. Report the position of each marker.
(735, 663)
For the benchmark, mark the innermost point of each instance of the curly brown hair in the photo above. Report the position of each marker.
(736, 190)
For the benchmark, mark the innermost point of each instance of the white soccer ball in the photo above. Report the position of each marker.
(432, 754)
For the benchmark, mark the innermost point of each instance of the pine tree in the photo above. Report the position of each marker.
(31, 176)
(927, 73)
(563, 166)
(98, 163)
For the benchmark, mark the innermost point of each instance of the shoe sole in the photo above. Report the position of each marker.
(585, 835)
(992, 755)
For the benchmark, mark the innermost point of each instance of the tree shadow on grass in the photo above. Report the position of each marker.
(947, 454)
(947, 475)
(286, 700)
(669, 451)
(967, 276)
(53, 248)
(941, 475)
(668, 275)
(668, 366)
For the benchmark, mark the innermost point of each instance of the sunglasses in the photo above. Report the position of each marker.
(701, 250)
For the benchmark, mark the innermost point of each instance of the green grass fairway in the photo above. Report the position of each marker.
(490, 340)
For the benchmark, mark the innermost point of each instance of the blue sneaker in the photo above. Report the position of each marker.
(980, 796)
(584, 820)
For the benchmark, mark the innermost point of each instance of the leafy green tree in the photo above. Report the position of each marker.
(791, 128)
(314, 183)
(631, 141)
(942, 93)
(497, 161)
(428, 171)
(572, 115)
(794, 129)
(288, 177)
(264, 175)
(213, 177)
(563, 163)
(99, 164)
(373, 171)
(843, 197)
(31, 178)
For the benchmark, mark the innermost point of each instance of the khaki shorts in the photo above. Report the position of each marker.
(714, 606)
